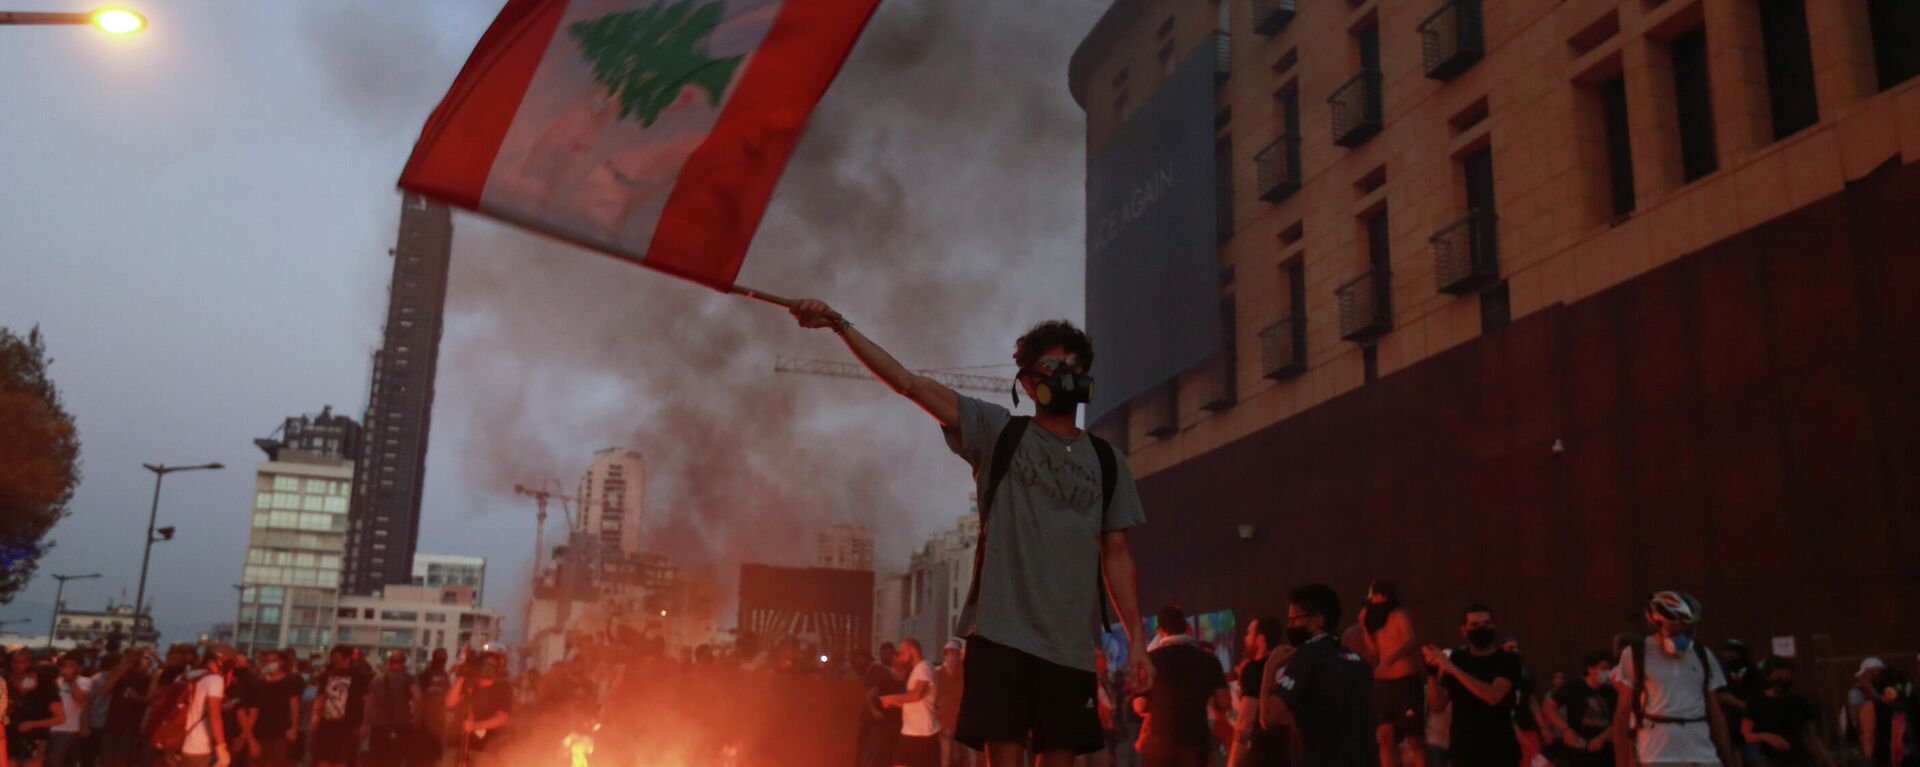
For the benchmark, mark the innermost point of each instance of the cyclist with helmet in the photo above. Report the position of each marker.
(1670, 714)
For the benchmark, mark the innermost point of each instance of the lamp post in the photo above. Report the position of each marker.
(113, 21)
(166, 533)
(53, 623)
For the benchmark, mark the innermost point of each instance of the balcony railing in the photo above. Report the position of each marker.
(1222, 56)
(1451, 40)
(1271, 16)
(1466, 253)
(1277, 168)
(1283, 347)
(1356, 109)
(1366, 310)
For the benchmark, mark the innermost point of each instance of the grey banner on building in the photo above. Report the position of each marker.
(1153, 295)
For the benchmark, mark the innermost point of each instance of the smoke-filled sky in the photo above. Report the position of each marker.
(198, 219)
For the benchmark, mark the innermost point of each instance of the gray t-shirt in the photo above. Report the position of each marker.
(1040, 577)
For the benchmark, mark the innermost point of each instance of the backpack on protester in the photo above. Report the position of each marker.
(997, 466)
(167, 725)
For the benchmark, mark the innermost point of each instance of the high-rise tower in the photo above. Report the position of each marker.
(384, 524)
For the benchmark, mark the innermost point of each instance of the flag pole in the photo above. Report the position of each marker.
(761, 295)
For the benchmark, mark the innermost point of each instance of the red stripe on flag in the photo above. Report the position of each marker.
(459, 142)
(722, 192)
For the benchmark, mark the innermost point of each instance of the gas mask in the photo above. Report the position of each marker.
(1056, 387)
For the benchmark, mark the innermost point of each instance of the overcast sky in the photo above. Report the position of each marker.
(198, 218)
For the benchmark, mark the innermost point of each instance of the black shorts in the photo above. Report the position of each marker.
(1013, 697)
(1402, 703)
(336, 742)
(917, 751)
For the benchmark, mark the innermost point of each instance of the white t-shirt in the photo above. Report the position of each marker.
(916, 718)
(1673, 690)
(200, 729)
(71, 707)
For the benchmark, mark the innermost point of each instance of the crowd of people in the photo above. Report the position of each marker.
(1308, 692)
(207, 705)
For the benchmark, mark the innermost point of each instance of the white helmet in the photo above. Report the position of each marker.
(1675, 606)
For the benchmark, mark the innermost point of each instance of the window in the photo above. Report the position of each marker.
(317, 486)
(1693, 102)
(263, 500)
(1378, 257)
(285, 519)
(286, 500)
(269, 614)
(256, 556)
(1613, 111)
(282, 482)
(335, 505)
(261, 519)
(399, 615)
(1783, 27)
(312, 503)
(436, 617)
(1896, 40)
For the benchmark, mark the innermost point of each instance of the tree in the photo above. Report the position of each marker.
(39, 458)
(645, 59)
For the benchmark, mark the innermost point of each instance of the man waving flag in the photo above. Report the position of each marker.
(652, 130)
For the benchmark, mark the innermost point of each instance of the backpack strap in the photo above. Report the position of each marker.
(1638, 652)
(1109, 477)
(997, 466)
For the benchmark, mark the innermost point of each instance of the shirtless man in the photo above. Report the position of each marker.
(1399, 713)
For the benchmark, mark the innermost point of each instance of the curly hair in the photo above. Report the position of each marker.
(1054, 334)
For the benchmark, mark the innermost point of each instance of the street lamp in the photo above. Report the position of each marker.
(166, 534)
(113, 21)
(53, 623)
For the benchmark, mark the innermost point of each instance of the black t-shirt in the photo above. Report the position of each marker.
(879, 680)
(270, 698)
(33, 705)
(487, 701)
(1523, 693)
(129, 704)
(342, 697)
(1589, 710)
(1329, 690)
(1185, 678)
(1483, 734)
(1786, 716)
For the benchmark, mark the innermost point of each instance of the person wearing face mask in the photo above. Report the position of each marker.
(339, 711)
(1586, 730)
(1477, 680)
(1053, 545)
(485, 706)
(1668, 681)
(1781, 725)
(1322, 690)
(270, 710)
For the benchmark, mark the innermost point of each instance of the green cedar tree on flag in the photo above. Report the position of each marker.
(652, 130)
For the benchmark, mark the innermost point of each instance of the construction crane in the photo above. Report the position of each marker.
(950, 378)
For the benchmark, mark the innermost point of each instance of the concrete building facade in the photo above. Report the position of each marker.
(435, 570)
(417, 620)
(844, 547)
(1510, 206)
(295, 542)
(613, 496)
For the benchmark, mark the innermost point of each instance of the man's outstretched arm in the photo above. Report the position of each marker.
(939, 401)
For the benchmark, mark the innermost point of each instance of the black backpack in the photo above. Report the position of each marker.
(997, 466)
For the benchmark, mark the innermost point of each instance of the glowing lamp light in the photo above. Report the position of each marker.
(823, 659)
(663, 613)
(119, 21)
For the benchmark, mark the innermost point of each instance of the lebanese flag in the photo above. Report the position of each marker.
(650, 130)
